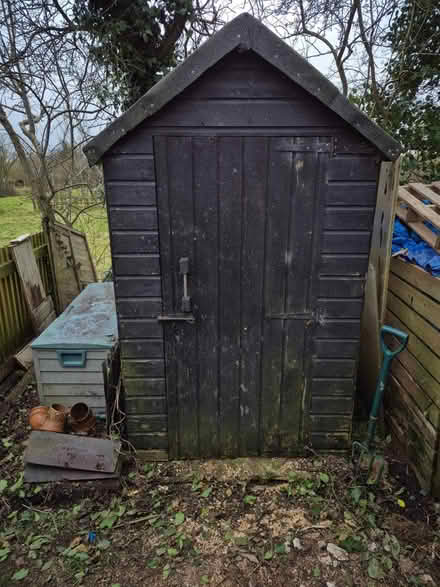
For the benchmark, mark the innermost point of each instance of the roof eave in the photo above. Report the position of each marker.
(247, 33)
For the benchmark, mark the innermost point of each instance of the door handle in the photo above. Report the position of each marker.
(184, 271)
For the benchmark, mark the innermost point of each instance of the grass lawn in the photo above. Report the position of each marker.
(17, 217)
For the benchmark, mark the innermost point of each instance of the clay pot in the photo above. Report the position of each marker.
(48, 418)
(56, 419)
(82, 419)
(38, 416)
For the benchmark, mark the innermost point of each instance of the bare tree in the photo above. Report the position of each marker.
(47, 86)
(7, 160)
(351, 35)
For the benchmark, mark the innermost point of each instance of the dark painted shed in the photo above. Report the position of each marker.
(245, 174)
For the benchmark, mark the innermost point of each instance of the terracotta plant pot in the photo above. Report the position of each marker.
(82, 419)
(56, 418)
(38, 417)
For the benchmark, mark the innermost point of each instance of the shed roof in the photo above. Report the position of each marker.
(88, 322)
(246, 33)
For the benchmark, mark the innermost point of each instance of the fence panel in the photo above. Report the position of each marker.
(15, 321)
(412, 398)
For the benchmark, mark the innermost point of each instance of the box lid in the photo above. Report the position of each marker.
(88, 322)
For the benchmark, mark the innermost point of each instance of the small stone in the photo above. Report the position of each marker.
(337, 552)
(407, 566)
(297, 544)
(250, 557)
(426, 580)
(372, 547)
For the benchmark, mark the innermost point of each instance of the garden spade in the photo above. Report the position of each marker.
(366, 452)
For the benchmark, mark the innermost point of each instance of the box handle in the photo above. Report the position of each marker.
(72, 358)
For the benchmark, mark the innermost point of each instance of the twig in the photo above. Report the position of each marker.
(137, 521)
(315, 527)
(43, 512)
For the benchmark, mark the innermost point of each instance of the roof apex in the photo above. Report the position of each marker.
(247, 33)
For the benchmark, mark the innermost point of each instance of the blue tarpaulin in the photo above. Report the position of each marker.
(419, 252)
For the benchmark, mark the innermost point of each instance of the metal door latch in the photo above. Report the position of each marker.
(184, 271)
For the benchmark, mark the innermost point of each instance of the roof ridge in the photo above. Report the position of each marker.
(248, 33)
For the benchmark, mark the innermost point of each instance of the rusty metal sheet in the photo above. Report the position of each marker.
(72, 452)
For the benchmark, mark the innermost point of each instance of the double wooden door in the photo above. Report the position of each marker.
(239, 245)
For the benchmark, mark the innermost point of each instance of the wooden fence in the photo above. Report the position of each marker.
(412, 399)
(15, 321)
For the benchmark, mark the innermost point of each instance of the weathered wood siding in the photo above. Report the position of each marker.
(412, 399)
(244, 96)
(15, 320)
(69, 385)
(131, 202)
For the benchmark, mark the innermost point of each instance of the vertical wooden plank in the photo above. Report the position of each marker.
(299, 256)
(292, 386)
(14, 308)
(387, 227)
(180, 181)
(204, 287)
(276, 243)
(278, 211)
(271, 386)
(252, 282)
(376, 288)
(165, 244)
(311, 329)
(9, 328)
(230, 173)
(40, 305)
(299, 252)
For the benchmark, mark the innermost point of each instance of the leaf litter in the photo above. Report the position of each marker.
(229, 523)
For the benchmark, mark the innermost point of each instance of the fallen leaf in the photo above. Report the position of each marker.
(250, 557)
(268, 555)
(375, 571)
(20, 575)
(207, 492)
(75, 542)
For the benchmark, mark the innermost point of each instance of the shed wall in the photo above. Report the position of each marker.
(242, 95)
(131, 202)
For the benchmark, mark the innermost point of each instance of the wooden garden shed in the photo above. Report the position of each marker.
(242, 191)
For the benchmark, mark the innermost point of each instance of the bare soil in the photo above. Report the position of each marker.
(265, 522)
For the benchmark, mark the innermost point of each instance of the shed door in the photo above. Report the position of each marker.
(240, 215)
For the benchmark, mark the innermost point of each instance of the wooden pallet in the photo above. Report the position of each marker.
(412, 210)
